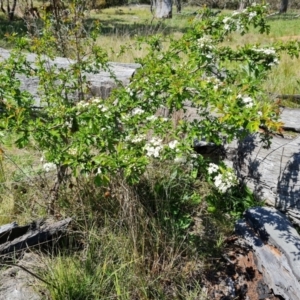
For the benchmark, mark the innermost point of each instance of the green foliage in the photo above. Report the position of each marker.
(115, 142)
(120, 135)
(234, 202)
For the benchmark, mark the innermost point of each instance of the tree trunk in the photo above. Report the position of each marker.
(9, 11)
(178, 6)
(162, 9)
(284, 6)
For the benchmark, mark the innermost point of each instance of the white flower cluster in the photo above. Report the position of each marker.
(246, 100)
(205, 42)
(180, 159)
(252, 15)
(153, 147)
(72, 151)
(222, 181)
(96, 101)
(212, 168)
(216, 82)
(49, 167)
(69, 123)
(102, 107)
(173, 144)
(266, 51)
(238, 16)
(138, 138)
(228, 22)
(275, 62)
(137, 111)
(82, 104)
(151, 118)
(129, 91)
(271, 53)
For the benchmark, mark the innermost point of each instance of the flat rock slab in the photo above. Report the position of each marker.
(275, 229)
(101, 84)
(273, 173)
(291, 118)
(276, 245)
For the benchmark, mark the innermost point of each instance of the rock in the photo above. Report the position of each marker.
(19, 238)
(7, 227)
(101, 84)
(17, 284)
(271, 173)
(276, 245)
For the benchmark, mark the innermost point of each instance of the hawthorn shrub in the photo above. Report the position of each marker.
(122, 135)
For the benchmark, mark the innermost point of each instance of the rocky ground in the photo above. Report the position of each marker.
(238, 277)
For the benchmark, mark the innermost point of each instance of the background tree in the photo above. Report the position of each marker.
(162, 9)
(10, 8)
(283, 6)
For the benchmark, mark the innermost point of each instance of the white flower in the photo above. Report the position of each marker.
(82, 104)
(96, 100)
(151, 118)
(259, 113)
(268, 51)
(226, 26)
(223, 182)
(152, 150)
(274, 63)
(129, 91)
(223, 188)
(216, 87)
(173, 144)
(204, 42)
(72, 151)
(240, 27)
(213, 168)
(218, 180)
(180, 159)
(69, 123)
(153, 147)
(138, 138)
(137, 111)
(248, 101)
(49, 167)
(252, 15)
(156, 141)
(226, 20)
(102, 108)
